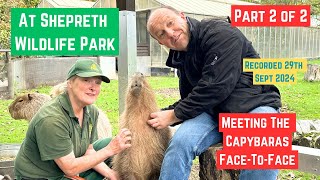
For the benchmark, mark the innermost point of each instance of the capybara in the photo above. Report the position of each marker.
(143, 160)
(26, 106)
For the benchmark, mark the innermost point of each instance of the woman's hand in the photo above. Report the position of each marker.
(121, 142)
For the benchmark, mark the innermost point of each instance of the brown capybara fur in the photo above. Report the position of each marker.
(143, 160)
(27, 105)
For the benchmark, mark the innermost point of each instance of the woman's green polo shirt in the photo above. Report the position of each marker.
(54, 132)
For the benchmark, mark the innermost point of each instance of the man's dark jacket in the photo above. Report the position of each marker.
(210, 72)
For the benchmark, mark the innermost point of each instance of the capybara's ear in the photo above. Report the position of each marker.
(30, 97)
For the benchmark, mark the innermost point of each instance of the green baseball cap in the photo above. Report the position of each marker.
(87, 68)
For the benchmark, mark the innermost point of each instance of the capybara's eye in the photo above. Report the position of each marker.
(20, 100)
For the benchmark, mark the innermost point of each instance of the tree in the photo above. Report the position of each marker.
(315, 5)
(5, 11)
(31, 3)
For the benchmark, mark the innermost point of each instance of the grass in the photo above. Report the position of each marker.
(317, 61)
(302, 98)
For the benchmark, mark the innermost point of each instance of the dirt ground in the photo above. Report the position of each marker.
(169, 92)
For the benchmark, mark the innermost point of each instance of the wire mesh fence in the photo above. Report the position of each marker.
(269, 42)
(284, 42)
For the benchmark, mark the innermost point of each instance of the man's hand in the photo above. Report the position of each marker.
(162, 119)
(121, 142)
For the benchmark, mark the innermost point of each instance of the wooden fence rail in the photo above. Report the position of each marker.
(309, 159)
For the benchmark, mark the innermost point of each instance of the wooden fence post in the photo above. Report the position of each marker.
(313, 73)
(10, 74)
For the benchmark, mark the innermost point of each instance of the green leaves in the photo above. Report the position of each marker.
(315, 5)
(5, 16)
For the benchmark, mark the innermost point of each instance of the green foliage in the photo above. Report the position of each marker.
(5, 8)
(5, 15)
(31, 3)
(315, 5)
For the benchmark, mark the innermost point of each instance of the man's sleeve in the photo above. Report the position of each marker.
(171, 106)
(223, 56)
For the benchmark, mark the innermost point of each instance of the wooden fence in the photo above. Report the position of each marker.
(6, 70)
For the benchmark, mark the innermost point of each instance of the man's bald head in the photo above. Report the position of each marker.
(160, 12)
(169, 27)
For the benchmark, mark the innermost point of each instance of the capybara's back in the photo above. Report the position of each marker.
(27, 105)
(143, 160)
